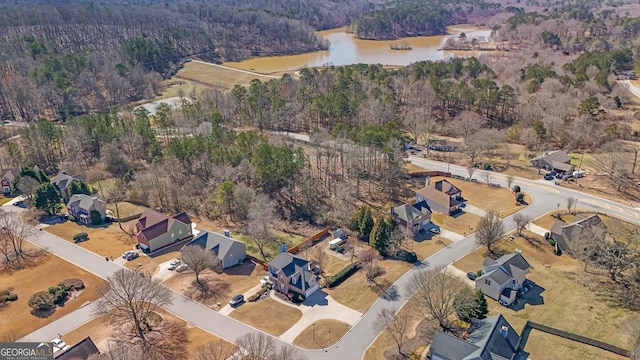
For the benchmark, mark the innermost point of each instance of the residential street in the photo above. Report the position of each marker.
(546, 197)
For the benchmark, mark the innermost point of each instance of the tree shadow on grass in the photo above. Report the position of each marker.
(43, 314)
(210, 289)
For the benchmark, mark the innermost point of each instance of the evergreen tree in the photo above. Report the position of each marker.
(47, 199)
(381, 234)
(482, 308)
(79, 187)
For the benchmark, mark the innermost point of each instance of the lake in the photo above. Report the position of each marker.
(347, 50)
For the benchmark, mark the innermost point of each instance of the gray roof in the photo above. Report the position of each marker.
(63, 180)
(288, 263)
(486, 341)
(515, 259)
(218, 243)
(407, 212)
(497, 275)
(556, 155)
(302, 276)
(561, 166)
(82, 201)
(506, 265)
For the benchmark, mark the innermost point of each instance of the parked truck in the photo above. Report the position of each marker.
(579, 173)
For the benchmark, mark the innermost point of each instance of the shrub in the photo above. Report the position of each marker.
(71, 218)
(516, 189)
(411, 257)
(296, 297)
(341, 276)
(552, 242)
(72, 284)
(59, 294)
(12, 297)
(96, 218)
(479, 273)
(4, 292)
(80, 237)
(41, 301)
(547, 236)
(254, 297)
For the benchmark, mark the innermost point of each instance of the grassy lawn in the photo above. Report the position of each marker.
(126, 209)
(426, 248)
(267, 315)
(213, 76)
(546, 221)
(523, 172)
(359, 295)
(272, 249)
(100, 333)
(567, 305)
(150, 265)
(16, 320)
(321, 334)
(462, 224)
(238, 279)
(539, 343)
(332, 263)
(4, 200)
(103, 240)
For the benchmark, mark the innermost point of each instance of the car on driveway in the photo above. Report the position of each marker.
(174, 264)
(132, 255)
(59, 345)
(182, 267)
(266, 280)
(237, 300)
(471, 275)
(548, 177)
(434, 229)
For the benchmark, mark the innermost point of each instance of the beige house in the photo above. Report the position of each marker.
(412, 217)
(156, 231)
(441, 196)
(501, 279)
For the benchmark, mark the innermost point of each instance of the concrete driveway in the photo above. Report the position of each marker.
(316, 307)
(227, 309)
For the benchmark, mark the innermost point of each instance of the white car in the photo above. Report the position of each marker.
(266, 280)
(182, 267)
(174, 264)
(59, 345)
(435, 230)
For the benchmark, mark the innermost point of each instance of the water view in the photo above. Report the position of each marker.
(346, 50)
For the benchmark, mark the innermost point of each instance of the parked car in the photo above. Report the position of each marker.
(174, 264)
(59, 345)
(126, 254)
(132, 255)
(182, 267)
(471, 275)
(548, 177)
(237, 300)
(434, 229)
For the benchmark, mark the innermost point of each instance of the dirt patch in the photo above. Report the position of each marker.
(358, 294)
(105, 240)
(321, 334)
(16, 320)
(267, 315)
(239, 279)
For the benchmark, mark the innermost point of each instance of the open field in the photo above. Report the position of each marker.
(321, 334)
(4, 200)
(267, 315)
(210, 76)
(100, 332)
(16, 320)
(126, 209)
(238, 279)
(359, 295)
(461, 224)
(566, 303)
(106, 240)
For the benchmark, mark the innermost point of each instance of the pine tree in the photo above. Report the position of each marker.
(46, 198)
(482, 308)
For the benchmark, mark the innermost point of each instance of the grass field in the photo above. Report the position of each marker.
(267, 315)
(126, 209)
(321, 334)
(103, 240)
(567, 305)
(4, 200)
(16, 320)
(358, 294)
(202, 76)
(462, 224)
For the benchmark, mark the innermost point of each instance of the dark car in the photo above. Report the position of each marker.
(132, 256)
(237, 300)
(471, 275)
(548, 177)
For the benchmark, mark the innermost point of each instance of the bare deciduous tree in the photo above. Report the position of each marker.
(470, 171)
(487, 176)
(397, 325)
(521, 221)
(131, 298)
(320, 258)
(435, 291)
(571, 203)
(612, 161)
(256, 346)
(27, 185)
(199, 259)
(368, 261)
(215, 350)
(490, 230)
(261, 217)
(13, 233)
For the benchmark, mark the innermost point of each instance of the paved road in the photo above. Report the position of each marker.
(545, 198)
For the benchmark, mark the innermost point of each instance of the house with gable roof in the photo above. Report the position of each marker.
(412, 217)
(155, 230)
(492, 338)
(230, 251)
(61, 182)
(557, 161)
(292, 273)
(568, 235)
(441, 196)
(501, 279)
(81, 205)
(7, 179)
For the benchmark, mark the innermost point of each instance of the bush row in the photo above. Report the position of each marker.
(6, 295)
(341, 276)
(55, 295)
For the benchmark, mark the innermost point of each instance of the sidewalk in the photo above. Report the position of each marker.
(537, 229)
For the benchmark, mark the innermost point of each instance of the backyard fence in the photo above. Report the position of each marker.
(309, 241)
(430, 173)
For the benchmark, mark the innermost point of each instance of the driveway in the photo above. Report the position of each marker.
(227, 309)
(474, 210)
(537, 229)
(318, 306)
(453, 236)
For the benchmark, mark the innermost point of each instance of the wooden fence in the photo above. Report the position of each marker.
(309, 241)
(430, 173)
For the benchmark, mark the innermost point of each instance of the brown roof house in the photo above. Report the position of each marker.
(292, 274)
(7, 179)
(501, 279)
(80, 206)
(414, 217)
(557, 160)
(156, 230)
(441, 196)
(492, 338)
(567, 236)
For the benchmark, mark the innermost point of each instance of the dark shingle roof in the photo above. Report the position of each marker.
(63, 180)
(82, 201)
(440, 192)
(82, 350)
(516, 260)
(288, 263)
(556, 155)
(407, 212)
(219, 243)
(154, 224)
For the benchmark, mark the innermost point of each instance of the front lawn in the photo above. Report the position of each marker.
(323, 333)
(16, 320)
(462, 224)
(272, 249)
(358, 294)
(566, 303)
(267, 315)
(105, 240)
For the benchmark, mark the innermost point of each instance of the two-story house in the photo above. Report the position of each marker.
(412, 217)
(501, 279)
(80, 206)
(156, 230)
(292, 273)
(441, 196)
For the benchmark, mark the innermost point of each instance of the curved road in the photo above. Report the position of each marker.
(545, 197)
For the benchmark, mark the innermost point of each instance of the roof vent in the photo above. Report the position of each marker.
(504, 330)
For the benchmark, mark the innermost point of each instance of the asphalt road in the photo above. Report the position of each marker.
(546, 197)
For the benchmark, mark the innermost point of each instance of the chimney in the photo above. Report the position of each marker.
(504, 330)
(517, 251)
(283, 247)
(427, 181)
